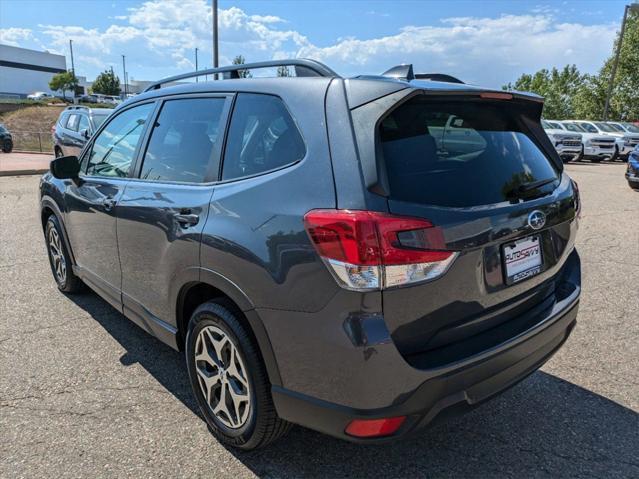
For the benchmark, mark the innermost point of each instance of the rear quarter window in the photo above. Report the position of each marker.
(262, 137)
(458, 154)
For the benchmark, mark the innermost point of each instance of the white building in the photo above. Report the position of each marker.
(24, 71)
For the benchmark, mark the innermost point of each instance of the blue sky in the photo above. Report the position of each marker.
(486, 42)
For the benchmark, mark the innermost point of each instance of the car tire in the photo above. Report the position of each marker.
(57, 152)
(230, 370)
(615, 155)
(59, 259)
(596, 159)
(7, 146)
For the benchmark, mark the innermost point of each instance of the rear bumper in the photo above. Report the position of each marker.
(440, 392)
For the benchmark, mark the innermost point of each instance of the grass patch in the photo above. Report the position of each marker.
(31, 126)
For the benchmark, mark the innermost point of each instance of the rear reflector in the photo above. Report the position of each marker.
(374, 427)
(367, 250)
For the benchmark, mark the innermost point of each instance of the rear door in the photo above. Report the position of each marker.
(497, 196)
(164, 207)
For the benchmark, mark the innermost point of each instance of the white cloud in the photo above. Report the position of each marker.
(490, 51)
(159, 37)
(13, 36)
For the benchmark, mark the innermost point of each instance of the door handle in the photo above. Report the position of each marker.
(108, 204)
(186, 218)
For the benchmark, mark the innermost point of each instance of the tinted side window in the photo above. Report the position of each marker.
(262, 137)
(113, 149)
(84, 123)
(72, 122)
(62, 121)
(183, 139)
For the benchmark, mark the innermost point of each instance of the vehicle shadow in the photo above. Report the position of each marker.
(544, 426)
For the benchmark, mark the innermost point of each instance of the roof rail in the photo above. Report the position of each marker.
(437, 77)
(400, 72)
(303, 67)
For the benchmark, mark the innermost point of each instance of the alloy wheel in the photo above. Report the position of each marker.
(222, 377)
(57, 256)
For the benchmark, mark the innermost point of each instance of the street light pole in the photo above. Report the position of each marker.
(72, 66)
(196, 78)
(215, 39)
(124, 76)
(631, 7)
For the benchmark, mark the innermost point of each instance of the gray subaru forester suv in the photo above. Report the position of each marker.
(360, 256)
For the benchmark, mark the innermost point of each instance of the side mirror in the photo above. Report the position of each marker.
(85, 134)
(65, 167)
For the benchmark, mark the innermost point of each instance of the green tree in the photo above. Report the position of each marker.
(558, 87)
(106, 83)
(624, 101)
(62, 82)
(240, 60)
(568, 94)
(283, 71)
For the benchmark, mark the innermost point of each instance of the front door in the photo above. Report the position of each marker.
(164, 207)
(92, 201)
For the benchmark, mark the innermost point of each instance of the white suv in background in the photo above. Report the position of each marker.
(596, 147)
(629, 128)
(567, 144)
(622, 140)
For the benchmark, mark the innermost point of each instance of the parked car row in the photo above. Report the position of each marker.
(598, 140)
(99, 98)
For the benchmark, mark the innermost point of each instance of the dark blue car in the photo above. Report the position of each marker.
(632, 173)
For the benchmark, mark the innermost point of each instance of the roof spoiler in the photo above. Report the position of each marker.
(303, 68)
(438, 77)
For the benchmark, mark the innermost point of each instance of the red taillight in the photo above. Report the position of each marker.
(369, 250)
(374, 427)
(343, 235)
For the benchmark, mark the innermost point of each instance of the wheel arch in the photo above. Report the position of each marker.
(49, 207)
(211, 286)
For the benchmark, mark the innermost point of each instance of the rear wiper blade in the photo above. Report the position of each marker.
(534, 185)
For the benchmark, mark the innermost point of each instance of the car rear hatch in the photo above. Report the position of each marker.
(479, 167)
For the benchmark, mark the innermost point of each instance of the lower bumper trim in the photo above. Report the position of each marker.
(437, 398)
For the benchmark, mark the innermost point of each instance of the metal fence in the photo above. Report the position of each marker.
(32, 141)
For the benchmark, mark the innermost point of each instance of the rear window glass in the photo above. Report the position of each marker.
(458, 154)
(183, 140)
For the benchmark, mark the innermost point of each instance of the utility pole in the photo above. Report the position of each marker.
(71, 48)
(196, 78)
(215, 40)
(72, 66)
(124, 76)
(632, 7)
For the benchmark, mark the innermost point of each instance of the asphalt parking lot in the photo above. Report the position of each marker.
(86, 393)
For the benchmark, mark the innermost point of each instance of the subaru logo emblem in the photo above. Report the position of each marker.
(536, 220)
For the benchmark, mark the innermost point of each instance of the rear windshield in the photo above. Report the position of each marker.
(459, 154)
